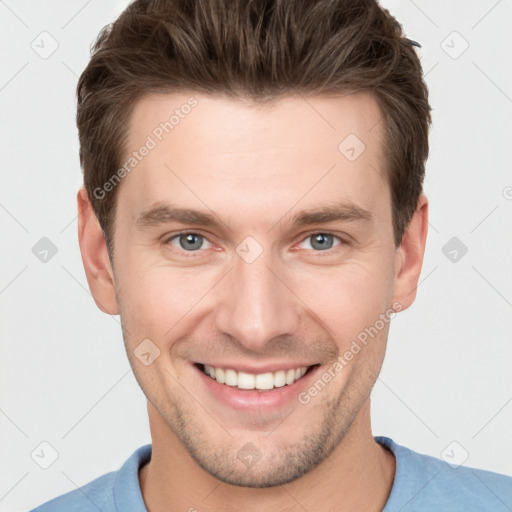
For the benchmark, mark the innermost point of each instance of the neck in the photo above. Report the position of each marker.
(357, 475)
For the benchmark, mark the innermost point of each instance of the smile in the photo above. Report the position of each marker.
(247, 381)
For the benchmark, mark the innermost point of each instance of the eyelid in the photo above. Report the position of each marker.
(169, 236)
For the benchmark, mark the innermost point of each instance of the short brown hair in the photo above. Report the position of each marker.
(257, 49)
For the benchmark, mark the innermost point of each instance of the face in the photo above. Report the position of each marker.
(252, 246)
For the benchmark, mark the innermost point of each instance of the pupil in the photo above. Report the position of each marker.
(192, 241)
(324, 241)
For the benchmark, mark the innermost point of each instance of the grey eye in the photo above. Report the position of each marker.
(189, 241)
(321, 241)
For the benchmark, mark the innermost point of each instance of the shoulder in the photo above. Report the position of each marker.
(423, 482)
(98, 494)
(108, 493)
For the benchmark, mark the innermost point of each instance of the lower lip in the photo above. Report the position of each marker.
(250, 400)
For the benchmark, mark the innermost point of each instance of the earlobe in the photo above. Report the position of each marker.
(409, 256)
(93, 248)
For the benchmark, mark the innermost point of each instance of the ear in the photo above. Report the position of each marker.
(409, 256)
(95, 256)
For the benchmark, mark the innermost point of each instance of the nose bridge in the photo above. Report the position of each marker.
(255, 306)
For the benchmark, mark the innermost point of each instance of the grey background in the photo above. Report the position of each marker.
(445, 388)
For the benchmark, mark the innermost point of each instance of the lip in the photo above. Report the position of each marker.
(254, 400)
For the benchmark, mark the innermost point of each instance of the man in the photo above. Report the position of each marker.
(252, 209)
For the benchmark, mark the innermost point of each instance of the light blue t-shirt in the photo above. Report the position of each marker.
(422, 483)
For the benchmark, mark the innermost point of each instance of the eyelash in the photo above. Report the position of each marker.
(192, 254)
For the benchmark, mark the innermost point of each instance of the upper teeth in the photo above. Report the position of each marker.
(250, 381)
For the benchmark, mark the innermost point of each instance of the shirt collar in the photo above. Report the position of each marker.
(127, 493)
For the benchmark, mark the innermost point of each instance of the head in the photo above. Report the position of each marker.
(253, 200)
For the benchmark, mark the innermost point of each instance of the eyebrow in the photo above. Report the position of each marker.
(166, 213)
(347, 212)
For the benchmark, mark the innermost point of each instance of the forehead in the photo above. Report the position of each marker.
(287, 121)
(210, 151)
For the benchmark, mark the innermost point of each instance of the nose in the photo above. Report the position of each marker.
(256, 303)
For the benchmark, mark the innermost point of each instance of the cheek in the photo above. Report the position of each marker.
(348, 298)
(156, 299)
